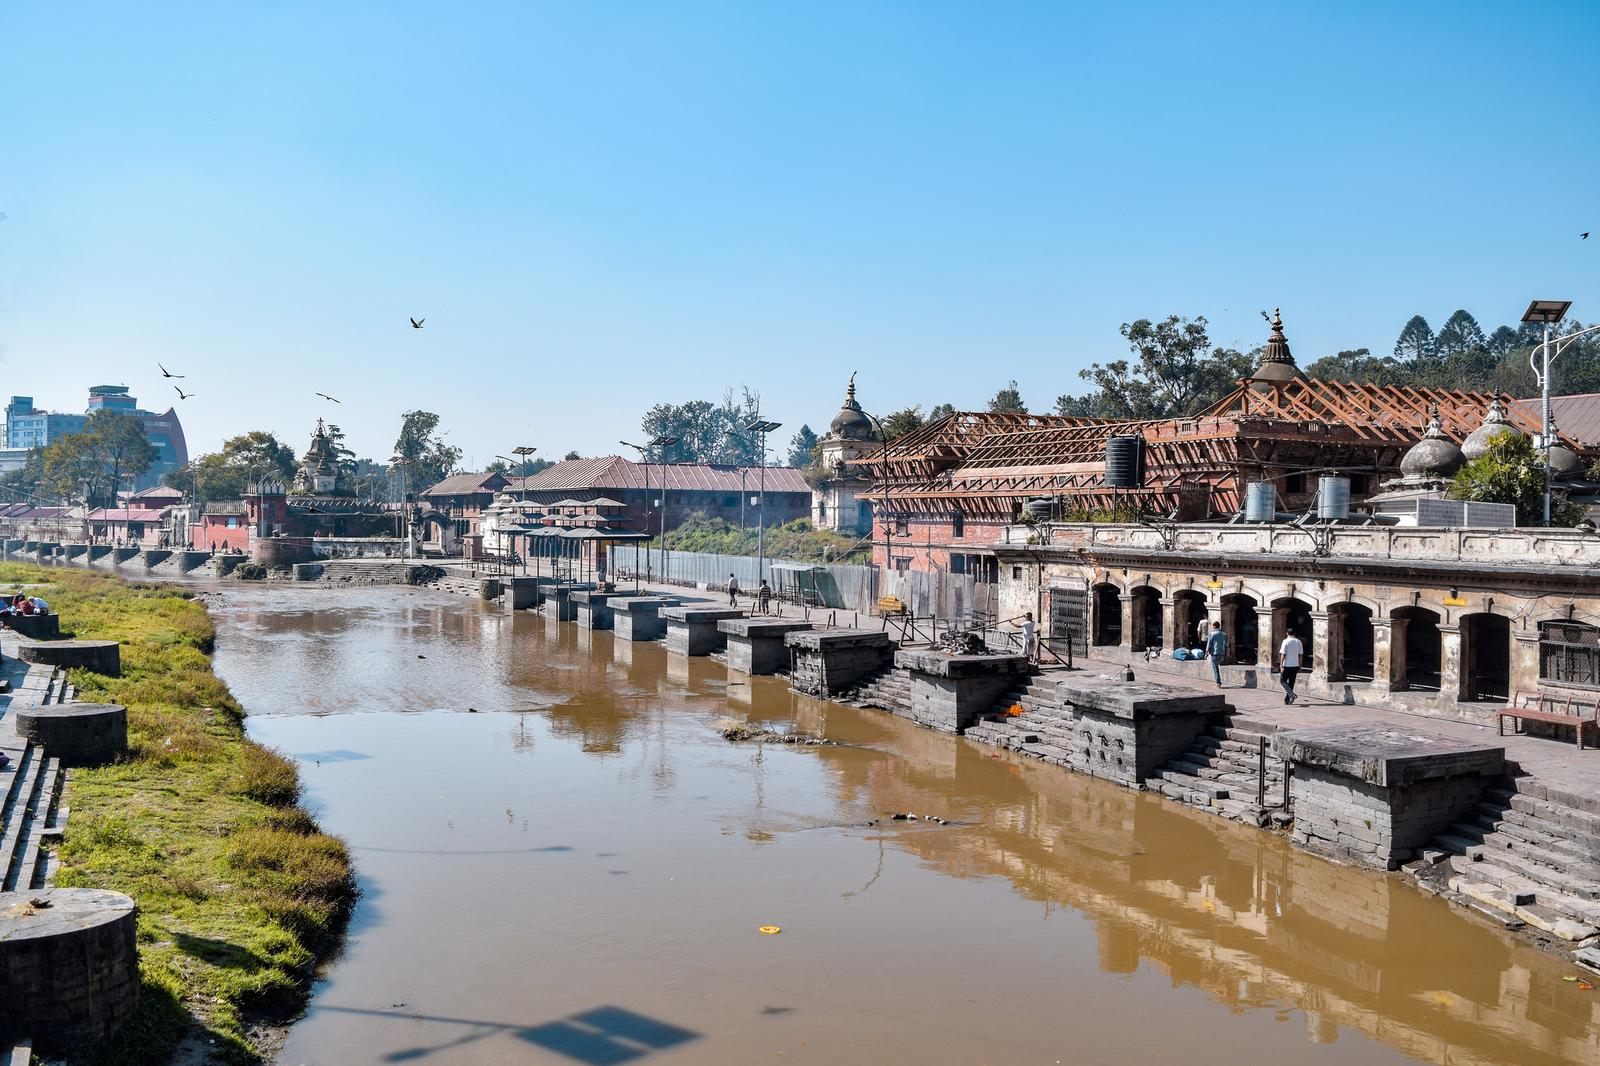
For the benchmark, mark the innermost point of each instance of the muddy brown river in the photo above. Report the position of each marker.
(579, 874)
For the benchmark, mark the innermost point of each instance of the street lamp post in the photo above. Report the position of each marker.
(762, 428)
(657, 443)
(1549, 313)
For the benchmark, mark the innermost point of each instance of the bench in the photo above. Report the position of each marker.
(891, 605)
(1551, 708)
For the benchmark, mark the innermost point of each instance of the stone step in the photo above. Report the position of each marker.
(30, 770)
(26, 869)
(18, 1054)
(1195, 784)
(1553, 840)
(1557, 813)
(1528, 853)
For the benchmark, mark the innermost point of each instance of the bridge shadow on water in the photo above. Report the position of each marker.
(600, 1036)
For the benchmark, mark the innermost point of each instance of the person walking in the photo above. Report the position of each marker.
(1290, 653)
(1217, 650)
(733, 591)
(764, 597)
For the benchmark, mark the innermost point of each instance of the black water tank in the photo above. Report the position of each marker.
(1125, 462)
(1039, 508)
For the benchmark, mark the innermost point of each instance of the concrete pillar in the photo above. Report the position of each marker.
(1266, 650)
(1127, 622)
(1322, 642)
(1450, 673)
(1524, 661)
(1381, 658)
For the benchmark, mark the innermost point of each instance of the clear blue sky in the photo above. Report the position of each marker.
(599, 206)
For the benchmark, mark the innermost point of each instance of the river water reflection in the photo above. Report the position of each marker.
(578, 873)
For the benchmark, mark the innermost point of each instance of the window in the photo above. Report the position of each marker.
(958, 527)
(902, 563)
(902, 527)
(1016, 573)
(1358, 484)
(958, 564)
(1294, 483)
(1569, 654)
(233, 521)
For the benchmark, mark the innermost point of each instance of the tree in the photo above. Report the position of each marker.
(1502, 340)
(1512, 471)
(1361, 366)
(1416, 340)
(227, 473)
(941, 410)
(570, 456)
(707, 432)
(23, 484)
(425, 454)
(343, 457)
(1008, 401)
(899, 423)
(1460, 333)
(94, 464)
(1175, 372)
(801, 445)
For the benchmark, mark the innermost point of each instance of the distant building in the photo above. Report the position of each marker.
(652, 493)
(29, 427)
(835, 504)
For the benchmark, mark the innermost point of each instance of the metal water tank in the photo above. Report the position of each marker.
(1039, 508)
(1333, 497)
(1125, 462)
(1260, 501)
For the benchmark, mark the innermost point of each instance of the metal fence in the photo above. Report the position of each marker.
(847, 587)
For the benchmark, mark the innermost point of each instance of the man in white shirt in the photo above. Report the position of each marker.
(1027, 636)
(1290, 653)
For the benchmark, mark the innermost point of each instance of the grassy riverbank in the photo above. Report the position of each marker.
(238, 891)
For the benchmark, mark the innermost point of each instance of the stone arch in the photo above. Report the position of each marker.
(1291, 614)
(1239, 622)
(1107, 621)
(1350, 641)
(436, 527)
(1416, 650)
(1485, 657)
(1188, 618)
(1145, 618)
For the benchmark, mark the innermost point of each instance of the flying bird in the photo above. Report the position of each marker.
(169, 374)
(1583, 236)
(416, 323)
(325, 396)
(181, 394)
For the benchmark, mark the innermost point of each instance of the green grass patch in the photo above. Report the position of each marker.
(798, 540)
(239, 892)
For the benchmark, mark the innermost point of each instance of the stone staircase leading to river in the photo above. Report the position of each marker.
(1525, 854)
(366, 572)
(1222, 772)
(31, 812)
(888, 689)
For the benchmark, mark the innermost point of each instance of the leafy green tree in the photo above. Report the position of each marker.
(94, 465)
(1008, 401)
(570, 456)
(1416, 340)
(801, 445)
(1502, 340)
(227, 473)
(1175, 371)
(899, 423)
(707, 432)
(941, 410)
(23, 484)
(1360, 366)
(1512, 471)
(425, 453)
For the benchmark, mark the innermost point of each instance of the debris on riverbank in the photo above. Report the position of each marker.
(767, 736)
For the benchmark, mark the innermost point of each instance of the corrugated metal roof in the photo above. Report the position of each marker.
(609, 473)
(463, 484)
(1577, 416)
(126, 514)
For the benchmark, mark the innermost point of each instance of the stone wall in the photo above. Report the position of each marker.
(69, 973)
(828, 661)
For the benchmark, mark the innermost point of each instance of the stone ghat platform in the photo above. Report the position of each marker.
(69, 970)
(1375, 795)
(639, 617)
(595, 609)
(950, 692)
(827, 662)
(693, 630)
(79, 734)
(100, 656)
(756, 645)
(34, 626)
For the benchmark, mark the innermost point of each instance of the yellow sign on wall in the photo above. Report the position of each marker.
(1454, 601)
